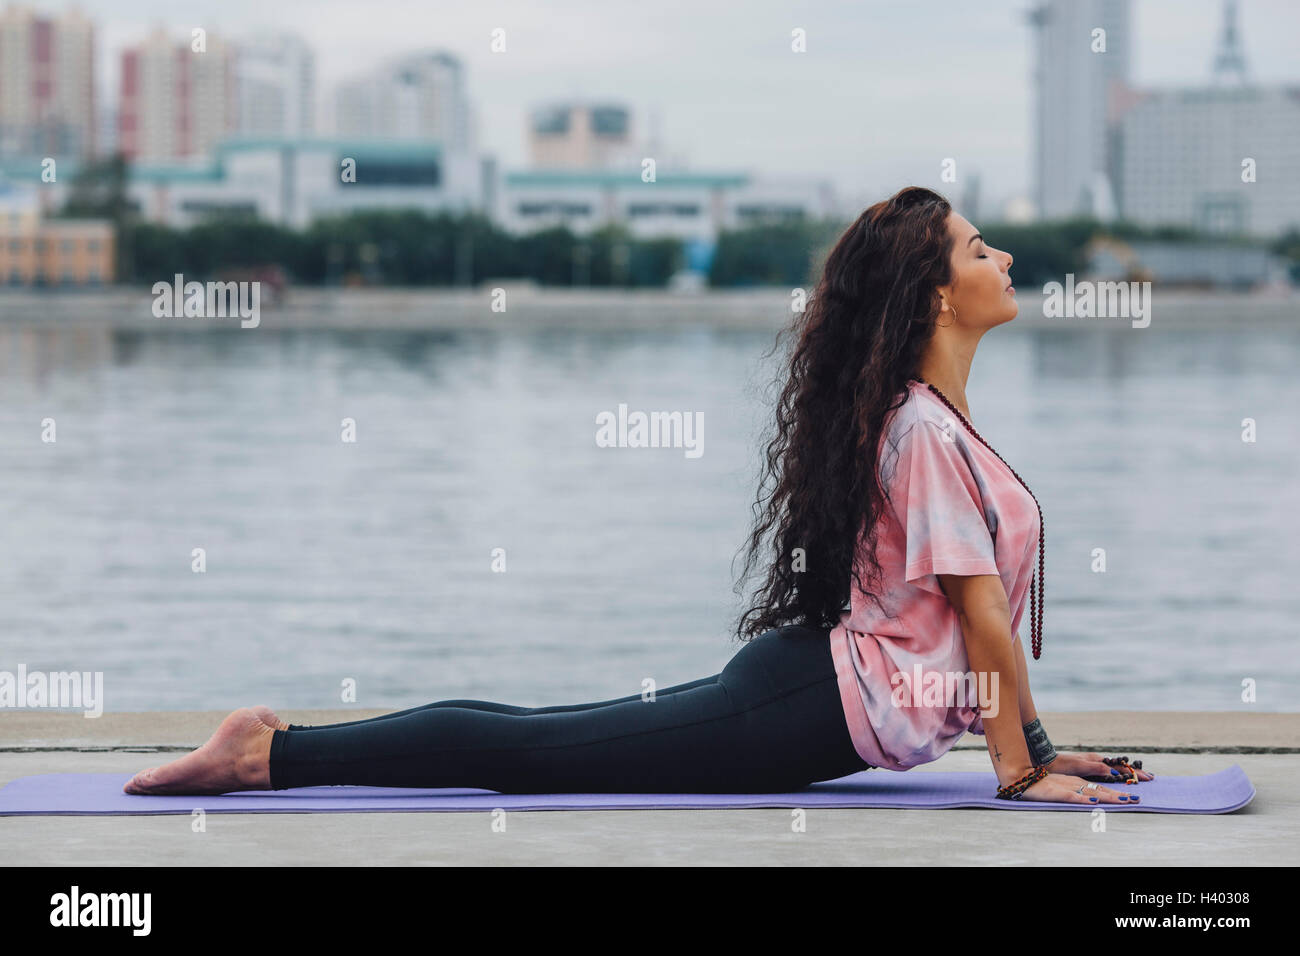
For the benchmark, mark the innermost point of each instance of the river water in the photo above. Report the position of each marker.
(370, 563)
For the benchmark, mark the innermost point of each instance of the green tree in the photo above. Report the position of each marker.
(781, 253)
(98, 191)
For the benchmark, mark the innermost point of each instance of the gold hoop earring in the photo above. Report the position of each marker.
(954, 319)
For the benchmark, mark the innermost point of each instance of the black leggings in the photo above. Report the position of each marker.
(771, 721)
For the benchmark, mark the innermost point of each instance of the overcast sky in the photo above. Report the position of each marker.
(886, 90)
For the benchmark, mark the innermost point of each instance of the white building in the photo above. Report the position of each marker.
(685, 205)
(293, 182)
(1183, 153)
(1074, 87)
(417, 97)
(275, 84)
(1188, 156)
(585, 172)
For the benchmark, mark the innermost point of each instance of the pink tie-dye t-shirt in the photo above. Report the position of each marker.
(953, 508)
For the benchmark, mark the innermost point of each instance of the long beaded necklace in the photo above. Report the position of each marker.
(1037, 584)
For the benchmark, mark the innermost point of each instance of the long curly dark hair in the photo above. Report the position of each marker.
(857, 343)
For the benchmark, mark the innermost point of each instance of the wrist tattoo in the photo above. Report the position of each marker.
(1041, 750)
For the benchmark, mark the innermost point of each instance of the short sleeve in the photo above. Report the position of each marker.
(938, 505)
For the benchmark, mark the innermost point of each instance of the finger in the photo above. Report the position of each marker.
(1124, 774)
(1098, 796)
(1101, 769)
(1143, 774)
(1109, 795)
(1065, 791)
(1117, 796)
(1127, 775)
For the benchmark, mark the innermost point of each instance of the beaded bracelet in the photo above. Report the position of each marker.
(1014, 791)
(1127, 771)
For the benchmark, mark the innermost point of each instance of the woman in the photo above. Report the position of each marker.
(873, 432)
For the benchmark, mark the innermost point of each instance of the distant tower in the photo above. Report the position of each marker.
(1230, 59)
(1074, 86)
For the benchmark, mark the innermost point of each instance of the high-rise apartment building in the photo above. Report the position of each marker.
(47, 90)
(176, 102)
(275, 82)
(420, 96)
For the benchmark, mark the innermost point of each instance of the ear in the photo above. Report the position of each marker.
(944, 292)
(945, 300)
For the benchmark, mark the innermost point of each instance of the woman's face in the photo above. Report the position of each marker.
(981, 289)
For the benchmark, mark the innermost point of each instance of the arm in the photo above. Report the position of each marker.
(985, 615)
(1041, 751)
(949, 550)
(1084, 764)
(1028, 711)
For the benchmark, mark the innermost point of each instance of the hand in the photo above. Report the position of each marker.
(1063, 788)
(1091, 766)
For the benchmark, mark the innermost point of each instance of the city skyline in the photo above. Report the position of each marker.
(775, 97)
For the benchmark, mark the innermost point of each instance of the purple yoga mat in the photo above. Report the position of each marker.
(88, 794)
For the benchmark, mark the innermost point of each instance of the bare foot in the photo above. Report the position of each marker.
(236, 757)
(269, 718)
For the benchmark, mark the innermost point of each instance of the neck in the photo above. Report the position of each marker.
(946, 365)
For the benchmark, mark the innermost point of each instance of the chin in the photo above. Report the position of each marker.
(1005, 315)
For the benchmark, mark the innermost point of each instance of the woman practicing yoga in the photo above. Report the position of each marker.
(876, 649)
